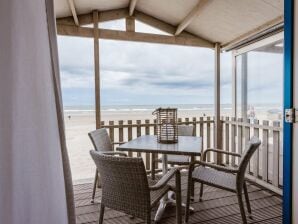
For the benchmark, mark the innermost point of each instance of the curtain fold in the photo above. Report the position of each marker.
(35, 177)
(52, 31)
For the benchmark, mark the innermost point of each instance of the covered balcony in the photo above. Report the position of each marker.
(252, 33)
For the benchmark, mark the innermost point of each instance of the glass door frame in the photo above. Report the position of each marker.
(240, 51)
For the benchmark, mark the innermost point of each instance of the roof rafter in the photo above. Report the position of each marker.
(191, 16)
(73, 12)
(132, 6)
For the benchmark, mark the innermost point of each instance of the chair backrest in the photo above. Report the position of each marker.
(101, 140)
(250, 148)
(186, 130)
(124, 184)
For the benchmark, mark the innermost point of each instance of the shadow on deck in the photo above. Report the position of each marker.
(218, 207)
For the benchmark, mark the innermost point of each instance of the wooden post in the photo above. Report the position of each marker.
(233, 140)
(227, 139)
(120, 131)
(129, 134)
(96, 70)
(130, 24)
(139, 134)
(217, 121)
(147, 132)
(256, 157)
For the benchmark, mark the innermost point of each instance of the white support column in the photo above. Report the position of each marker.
(217, 121)
(244, 86)
(96, 70)
(234, 86)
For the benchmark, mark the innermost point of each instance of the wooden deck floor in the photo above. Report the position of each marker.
(217, 207)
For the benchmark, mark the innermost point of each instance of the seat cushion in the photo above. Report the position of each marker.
(177, 160)
(215, 178)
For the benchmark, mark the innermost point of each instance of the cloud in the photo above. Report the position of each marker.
(134, 71)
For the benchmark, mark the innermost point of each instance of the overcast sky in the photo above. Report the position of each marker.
(134, 73)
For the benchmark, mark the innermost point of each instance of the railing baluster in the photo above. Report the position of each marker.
(202, 135)
(246, 139)
(111, 130)
(187, 121)
(147, 132)
(233, 140)
(139, 134)
(194, 121)
(276, 150)
(265, 149)
(256, 157)
(227, 139)
(239, 136)
(129, 134)
(120, 131)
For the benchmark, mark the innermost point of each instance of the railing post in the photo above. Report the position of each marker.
(233, 140)
(256, 157)
(120, 131)
(111, 130)
(265, 149)
(194, 121)
(276, 142)
(139, 134)
(129, 134)
(227, 139)
(147, 132)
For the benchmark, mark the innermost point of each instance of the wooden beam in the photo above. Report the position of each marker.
(191, 16)
(217, 121)
(132, 6)
(86, 19)
(130, 24)
(253, 32)
(132, 36)
(96, 69)
(73, 12)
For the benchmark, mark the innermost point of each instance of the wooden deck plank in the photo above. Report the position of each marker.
(218, 207)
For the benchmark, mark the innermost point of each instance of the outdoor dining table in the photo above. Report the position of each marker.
(186, 145)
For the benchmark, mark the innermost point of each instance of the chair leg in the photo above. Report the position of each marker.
(247, 198)
(201, 191)
(178, 198)
(189, 184)
(101, 214)
(242, 211)
(94, 186)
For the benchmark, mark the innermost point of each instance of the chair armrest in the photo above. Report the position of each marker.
(165, 179)
(217, 167)
(114, 153)
(219, 151)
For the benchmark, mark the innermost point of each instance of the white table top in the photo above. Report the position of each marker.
(187, 145)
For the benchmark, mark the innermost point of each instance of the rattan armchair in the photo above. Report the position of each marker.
(102, 143)
(227, 178)
(125, 186)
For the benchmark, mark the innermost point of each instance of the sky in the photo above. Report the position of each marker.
(135, 73)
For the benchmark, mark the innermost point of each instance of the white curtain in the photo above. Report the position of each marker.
(35, 180)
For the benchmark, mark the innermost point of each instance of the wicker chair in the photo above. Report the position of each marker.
(183, 130)
(125, 186)
(227, 178)
(102, 143)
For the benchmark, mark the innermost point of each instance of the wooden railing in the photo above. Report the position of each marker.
(265, 168)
